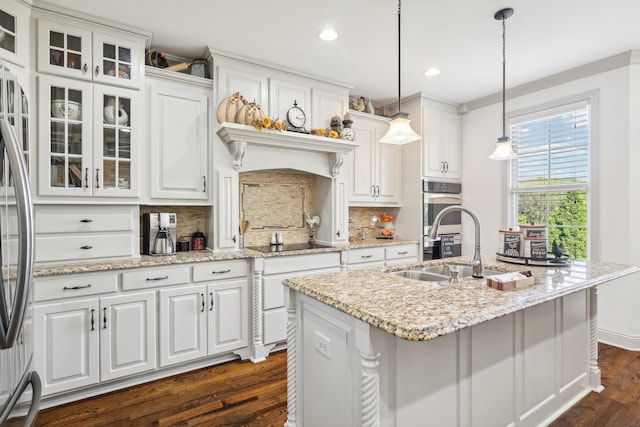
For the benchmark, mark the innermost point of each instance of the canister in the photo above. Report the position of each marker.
(197, 241)
(535, 247)
(534, 230)
(510, 242)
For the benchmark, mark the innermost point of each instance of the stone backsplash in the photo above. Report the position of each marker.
(189, 218)
(275, 202)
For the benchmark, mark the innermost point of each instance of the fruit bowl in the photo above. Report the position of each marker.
(385, 233)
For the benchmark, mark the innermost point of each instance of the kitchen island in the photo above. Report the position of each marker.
(369, 348)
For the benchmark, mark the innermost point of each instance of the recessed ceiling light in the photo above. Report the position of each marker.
(328, 34)
(432, 72)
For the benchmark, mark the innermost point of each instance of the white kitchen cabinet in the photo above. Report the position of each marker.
(441, 139)
(14, 20)
(283, 94)
(277, 269)
(341, 211)
(82, 341)
(374, 168)
(203, 319)
(326, 104)
(88, 139)
(235, 76)
(401, 254)
(227, 209)
(179, 136)
(79, 53)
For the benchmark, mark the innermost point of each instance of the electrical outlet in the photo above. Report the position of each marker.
(323, 344)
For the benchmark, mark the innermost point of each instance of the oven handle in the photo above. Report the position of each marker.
(452, 196)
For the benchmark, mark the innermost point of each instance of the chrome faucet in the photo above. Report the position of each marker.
(478, 268)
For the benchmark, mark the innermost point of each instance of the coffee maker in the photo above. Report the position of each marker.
(159, 233)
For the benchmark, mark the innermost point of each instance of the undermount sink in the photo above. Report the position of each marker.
(439, 273)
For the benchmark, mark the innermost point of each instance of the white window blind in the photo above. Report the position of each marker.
(549, 180)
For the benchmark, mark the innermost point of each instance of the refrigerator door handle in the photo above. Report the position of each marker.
(24, 207)
(36, 396)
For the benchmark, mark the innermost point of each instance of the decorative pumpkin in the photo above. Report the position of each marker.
(249, 113)
(229, 107)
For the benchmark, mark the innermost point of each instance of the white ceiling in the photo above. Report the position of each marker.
(461, 37)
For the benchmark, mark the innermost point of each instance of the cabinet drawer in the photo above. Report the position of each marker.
(219, 270)
(77, 285)
(73, 219)
(357, 256)
(403, 251)
(63, 248)
(155, 277)
(292, 263)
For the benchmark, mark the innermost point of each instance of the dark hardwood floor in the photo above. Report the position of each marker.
(247, 394)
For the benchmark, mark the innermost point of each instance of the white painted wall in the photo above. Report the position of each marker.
(616, 155)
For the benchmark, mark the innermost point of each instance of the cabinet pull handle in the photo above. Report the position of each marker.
(97, 177)
(373, 191)
(211, 297)
(221, 271)
(85, 68)
(86, 177)
(446, 164)
(86, 220)
(86, 247)
(151, 279)
(403, 253)
(204, 184)
(104, 317)
(377, 191)
(93, 320)
(97, 70)
(75, 288)
(202, 296)
(366, 256)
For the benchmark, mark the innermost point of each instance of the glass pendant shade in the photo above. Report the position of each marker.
(400, 131)
(503, 150)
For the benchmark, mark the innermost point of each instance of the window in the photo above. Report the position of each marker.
(549, 181)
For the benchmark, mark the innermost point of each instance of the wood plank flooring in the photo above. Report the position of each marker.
(247, 394)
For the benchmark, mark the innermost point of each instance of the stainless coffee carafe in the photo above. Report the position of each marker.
(159, 233)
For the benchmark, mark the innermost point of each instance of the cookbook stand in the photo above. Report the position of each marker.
(548, 262)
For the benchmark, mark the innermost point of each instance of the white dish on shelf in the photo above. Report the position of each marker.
(72, 111)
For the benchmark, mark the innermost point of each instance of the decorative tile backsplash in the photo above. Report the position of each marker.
(276, 202)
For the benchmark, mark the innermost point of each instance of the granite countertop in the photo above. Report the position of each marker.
(419, 311)
(195, 256)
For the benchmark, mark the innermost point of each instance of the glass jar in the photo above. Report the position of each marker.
(197, 241)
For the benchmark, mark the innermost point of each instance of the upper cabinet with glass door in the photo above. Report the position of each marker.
(83, 54)
(14, 31)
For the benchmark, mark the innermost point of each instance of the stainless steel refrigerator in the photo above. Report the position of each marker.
(20, 387)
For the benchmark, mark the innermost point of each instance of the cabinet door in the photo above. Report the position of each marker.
(325, 105)
(116, 60)
(127, 334)
(183, 323)
(64, 153)
(227, 208)
(64, 50)
(179, 140)
(341, 211)
(14, 43)
(228, 316)
(283, 94)
(362, 164)
(65, 347)
(252, 86)
(451, 145)
(389, 164)
(116, 126)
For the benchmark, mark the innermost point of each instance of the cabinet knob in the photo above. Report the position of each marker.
(97, 70)
(338, 233)
(85, 68)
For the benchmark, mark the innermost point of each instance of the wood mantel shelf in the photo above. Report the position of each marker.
(239, 137)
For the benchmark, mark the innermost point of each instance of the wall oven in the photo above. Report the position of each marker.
(439, 194)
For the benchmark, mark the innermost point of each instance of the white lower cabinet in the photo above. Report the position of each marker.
(401, 254)
(204, 319)
(83, 341)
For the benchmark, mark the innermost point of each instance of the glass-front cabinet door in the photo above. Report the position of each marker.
(115, 138)
(64, 50)
(14, 31)
(65, 137)
(116, 60)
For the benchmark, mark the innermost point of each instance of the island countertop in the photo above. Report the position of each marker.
(419, 311)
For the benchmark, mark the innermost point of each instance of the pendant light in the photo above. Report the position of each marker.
(400, 131)
(503, 149)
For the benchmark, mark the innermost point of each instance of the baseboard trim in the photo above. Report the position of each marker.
(628, 342)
